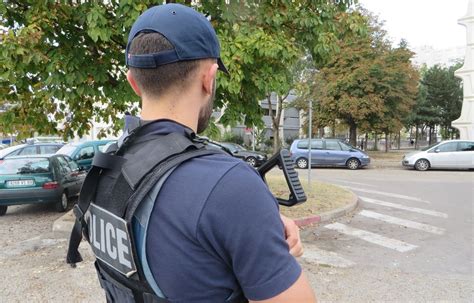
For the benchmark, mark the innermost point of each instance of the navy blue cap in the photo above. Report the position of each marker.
(190, 33)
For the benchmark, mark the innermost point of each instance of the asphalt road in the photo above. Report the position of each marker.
(411, 239)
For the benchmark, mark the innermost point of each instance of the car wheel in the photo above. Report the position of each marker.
(3, 210)
(422, 165)
(251, 161)
(61, 205)
(302, 163)
(353, 163)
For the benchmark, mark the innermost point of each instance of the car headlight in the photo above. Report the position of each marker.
(365, 156)
(260, 157)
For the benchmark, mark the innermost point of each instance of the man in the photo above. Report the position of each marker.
(212, 231)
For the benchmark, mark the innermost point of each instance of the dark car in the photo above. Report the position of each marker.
(30, 149)
(255, 159)
(39, 179)
(83, 152)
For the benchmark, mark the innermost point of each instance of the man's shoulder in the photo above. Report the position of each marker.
(217, 165)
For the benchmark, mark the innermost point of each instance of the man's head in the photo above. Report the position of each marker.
(173, 50)
(163, 78)
(170, 47)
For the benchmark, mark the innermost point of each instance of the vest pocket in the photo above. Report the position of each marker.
(114, 291)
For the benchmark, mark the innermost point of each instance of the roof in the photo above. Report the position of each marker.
(30, 156)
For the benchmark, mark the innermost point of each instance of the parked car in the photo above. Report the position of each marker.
(2, 146)
(327, 152)
(83, 152)
(39, 179)
(30, 149)
(451, 154)
(254, 159)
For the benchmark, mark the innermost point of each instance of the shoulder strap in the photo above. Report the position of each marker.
(152, 178)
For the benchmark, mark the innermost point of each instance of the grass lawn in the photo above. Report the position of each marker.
(322, 197)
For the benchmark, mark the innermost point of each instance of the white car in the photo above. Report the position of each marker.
(451, 154)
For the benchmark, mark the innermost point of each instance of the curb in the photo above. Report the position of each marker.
(62, 227)
(330, 215)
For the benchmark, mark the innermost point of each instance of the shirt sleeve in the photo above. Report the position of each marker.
(241, 225)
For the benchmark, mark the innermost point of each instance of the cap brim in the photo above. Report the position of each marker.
(222, 66)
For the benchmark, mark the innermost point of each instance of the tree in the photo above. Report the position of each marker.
(444, 93)
(368, 83)
(400, 92)
(439, 101)
(63, 62)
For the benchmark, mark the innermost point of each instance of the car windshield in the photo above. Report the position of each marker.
(24, 166)
(9, 150)
(346, 146)
(232, 146)
(431, 146)
(238, 147)
(67, 150)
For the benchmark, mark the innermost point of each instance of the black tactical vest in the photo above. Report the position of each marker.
(112, 191)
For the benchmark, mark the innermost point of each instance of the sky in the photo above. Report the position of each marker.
(422, 22)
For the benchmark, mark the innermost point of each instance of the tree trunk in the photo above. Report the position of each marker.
(429, 132)
(353, 134)
(366, 139)
(276, 118)
(399, 139)
(334, 129)
(376, 143)
(321, 132)
(387, 142)
(276, 139)
(416, 137)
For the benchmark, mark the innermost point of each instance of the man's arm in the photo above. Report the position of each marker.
(299, 292)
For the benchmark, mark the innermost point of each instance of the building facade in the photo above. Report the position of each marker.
(290, 122)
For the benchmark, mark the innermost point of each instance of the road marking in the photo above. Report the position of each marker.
(371, 237)
(387, 194)
(399, 206)
(314, 255)
(402, 222)
(356, 183)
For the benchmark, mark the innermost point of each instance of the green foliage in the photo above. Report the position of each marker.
(439, 100)
(63, 62)
(212, 131)
(232, 138)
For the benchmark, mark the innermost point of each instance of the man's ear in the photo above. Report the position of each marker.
(133, 84)
(208, 77)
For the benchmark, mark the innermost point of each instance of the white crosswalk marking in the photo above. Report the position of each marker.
(370, 191)
(399, 206)
(356, 183)
(402, 222)
(371, 237)
(313, 254)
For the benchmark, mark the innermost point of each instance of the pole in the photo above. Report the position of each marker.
(253, 139)
(309, 141)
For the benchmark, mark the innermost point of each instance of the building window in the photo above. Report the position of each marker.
(266, 112)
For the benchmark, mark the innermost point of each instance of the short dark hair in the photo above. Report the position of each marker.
(157, 81)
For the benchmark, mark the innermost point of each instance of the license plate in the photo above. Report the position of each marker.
(21, 183)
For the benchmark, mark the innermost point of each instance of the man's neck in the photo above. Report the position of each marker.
(174, 108)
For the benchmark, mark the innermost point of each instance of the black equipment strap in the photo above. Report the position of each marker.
(87, 192)
(151, 178)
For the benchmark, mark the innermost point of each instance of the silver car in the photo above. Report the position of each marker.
(451, 154)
